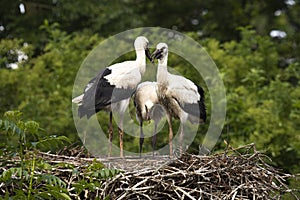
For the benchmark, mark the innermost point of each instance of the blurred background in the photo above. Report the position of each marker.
(255, 45)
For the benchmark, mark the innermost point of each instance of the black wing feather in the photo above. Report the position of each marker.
(101, 94)
(197, 109)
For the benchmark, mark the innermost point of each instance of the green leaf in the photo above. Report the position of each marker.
(64, 196)
(52, 180)
(14, 172)
(102, 173)
(32, 127)
(107, 173)
(13, 115)
(52, 142)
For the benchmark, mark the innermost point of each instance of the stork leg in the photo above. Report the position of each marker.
(141, 138)
(121, 134)
(181, 139)
(170, 136)
(154, 138)
(110, 134)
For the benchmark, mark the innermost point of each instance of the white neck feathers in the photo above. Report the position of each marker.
(162, 70)
(141, 60)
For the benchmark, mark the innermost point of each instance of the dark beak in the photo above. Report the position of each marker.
(148, 55)
(157, 54)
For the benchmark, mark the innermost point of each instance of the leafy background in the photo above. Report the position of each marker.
(255, 45)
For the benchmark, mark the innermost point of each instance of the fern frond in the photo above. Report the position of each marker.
(52, 142)
(51, 179)
(10, 128)
(14, 173)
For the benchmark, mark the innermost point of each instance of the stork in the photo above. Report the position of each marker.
(180, 97)
(147, 108)
(111, 89)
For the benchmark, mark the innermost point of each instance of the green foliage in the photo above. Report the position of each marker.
(18, 177)
(24, 175)
(26, 135)
(262, 99)
(91, 177)
(44, 84)
(16, 172)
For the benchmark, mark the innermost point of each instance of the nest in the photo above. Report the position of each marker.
(228, 175)
(242, 173)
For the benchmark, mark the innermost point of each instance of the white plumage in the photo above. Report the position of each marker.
(126, 74)
(112, 88)
(147, 108)
(180, 97)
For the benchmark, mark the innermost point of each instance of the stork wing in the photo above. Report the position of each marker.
(189, 96)
(111, 85)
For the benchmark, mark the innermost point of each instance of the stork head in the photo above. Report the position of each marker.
(161, 51)
(141, 43)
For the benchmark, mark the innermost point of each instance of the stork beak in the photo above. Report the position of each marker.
(156, 54)
(148, 55)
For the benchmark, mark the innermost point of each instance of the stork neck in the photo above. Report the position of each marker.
(162, 71)
(141, 60)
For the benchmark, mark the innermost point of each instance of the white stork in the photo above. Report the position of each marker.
(147, 108)
(111, 89)
(180, 97)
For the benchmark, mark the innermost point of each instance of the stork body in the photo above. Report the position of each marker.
(181, 98)
(110, 90)
(147, 108)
